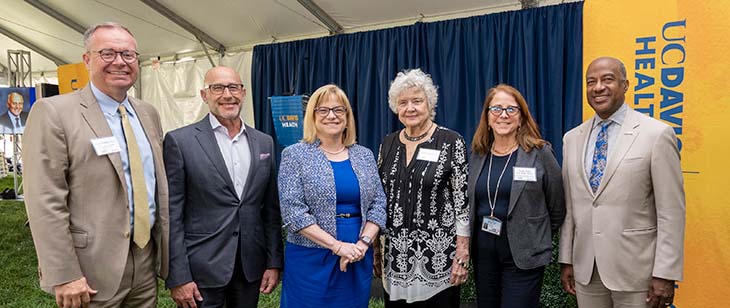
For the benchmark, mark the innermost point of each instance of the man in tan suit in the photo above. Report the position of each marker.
(96, 190)
(622, 241)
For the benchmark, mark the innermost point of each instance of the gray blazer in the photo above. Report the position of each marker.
(536, 209)
(208, 220)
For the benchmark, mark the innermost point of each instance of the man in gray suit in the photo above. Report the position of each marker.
(225, 236)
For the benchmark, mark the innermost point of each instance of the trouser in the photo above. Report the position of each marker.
(237, 293)
(596, 295)
(138, 288)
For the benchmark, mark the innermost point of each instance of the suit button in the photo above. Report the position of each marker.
(235, 233)
(126, 234)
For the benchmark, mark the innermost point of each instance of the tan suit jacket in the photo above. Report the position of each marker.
(633, 226)
(77, 200)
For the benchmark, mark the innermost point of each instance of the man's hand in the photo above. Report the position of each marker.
(185, 295)
(566, 278)
(74, 294)
(661, 293)
(269, 281)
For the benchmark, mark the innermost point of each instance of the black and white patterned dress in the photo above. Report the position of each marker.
(427, 208)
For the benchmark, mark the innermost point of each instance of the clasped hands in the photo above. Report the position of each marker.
(349, 253)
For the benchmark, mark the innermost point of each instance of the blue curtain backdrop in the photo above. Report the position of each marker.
(538, 51)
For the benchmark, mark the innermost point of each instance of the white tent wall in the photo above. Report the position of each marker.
(174, 88)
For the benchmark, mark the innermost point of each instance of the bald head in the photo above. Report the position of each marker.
(611, 61)
(221, 72)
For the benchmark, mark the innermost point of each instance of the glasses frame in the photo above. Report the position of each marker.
(500, 109)
(225, 86)
(320, 111)
(116, 54)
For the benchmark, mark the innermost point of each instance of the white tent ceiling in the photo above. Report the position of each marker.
(236, 24)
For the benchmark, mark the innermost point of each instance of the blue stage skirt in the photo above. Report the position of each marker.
(312, 276)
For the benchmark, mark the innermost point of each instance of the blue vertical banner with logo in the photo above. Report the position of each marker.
(287, 113)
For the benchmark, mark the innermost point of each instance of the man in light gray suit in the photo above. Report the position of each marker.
(225, 236)
(622, 243)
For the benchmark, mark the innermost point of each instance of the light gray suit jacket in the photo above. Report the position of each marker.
(633, 226)
(536, 209)
(77, 200)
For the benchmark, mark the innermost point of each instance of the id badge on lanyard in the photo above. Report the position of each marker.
(492, 225)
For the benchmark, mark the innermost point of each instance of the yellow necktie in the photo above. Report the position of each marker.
(139, 187)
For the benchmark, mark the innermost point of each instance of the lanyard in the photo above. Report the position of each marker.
(492, 204)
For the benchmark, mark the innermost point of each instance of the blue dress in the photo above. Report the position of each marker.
(312, 276)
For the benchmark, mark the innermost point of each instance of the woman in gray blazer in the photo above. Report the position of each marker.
(516, 200)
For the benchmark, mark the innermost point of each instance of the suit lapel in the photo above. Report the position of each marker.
(94, 117)
(209, 145)
(253, 146)
(524, 159)
(623, 143)
(584, 133)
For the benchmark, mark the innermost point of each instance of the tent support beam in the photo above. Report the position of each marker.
(207, 54)
(57, 16)
(182, 22)
(31, 46)
(326, 19)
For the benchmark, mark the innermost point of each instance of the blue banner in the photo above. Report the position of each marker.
(287, 113)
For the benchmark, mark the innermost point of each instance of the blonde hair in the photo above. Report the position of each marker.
(528, 134)
(349, 136)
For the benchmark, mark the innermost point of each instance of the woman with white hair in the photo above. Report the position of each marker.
(423, 170)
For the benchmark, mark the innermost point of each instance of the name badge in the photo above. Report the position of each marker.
(492, 225)
(428, 155)
(524, 174)
(106, 145)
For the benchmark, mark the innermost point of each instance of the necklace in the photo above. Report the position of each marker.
(419, 137)
(333, 152)
(510, 150)
(492, 204)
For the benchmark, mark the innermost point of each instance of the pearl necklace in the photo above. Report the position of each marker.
(333, 152)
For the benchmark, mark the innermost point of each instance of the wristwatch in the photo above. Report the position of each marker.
(366, 239)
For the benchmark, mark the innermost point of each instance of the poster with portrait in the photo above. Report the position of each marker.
(14, 109)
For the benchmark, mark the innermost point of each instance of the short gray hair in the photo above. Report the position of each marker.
(413, 78)
(106, 25)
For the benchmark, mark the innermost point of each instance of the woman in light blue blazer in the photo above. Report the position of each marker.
(332, 205)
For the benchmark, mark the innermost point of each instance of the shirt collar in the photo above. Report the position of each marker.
(617, 117)
(109, 105)
(216, 125)
(12, 115)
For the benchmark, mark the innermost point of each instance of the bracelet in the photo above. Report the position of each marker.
(338, 250)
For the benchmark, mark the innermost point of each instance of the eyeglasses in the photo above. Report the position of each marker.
(108, 55)
(325, 111)
(416, 102)
(233, 88)
(497, 110)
